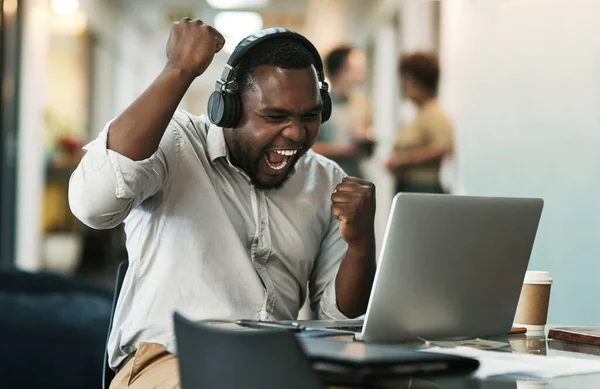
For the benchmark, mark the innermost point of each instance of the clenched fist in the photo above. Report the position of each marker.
(192, 46)
(353, 204)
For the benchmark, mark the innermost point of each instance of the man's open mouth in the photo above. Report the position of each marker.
(278, 159)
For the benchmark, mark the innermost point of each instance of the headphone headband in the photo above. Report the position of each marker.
(270, 33)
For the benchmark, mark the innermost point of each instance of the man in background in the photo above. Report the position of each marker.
(345, 137)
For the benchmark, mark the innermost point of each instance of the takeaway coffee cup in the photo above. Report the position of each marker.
(532, 309)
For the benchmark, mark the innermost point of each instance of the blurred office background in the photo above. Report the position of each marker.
(520, 80)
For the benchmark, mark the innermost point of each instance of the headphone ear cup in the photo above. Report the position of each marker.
(224, 108)
(216, 108)
(233, 111)
(326, 111)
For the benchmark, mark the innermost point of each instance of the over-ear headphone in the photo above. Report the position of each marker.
(225, 105)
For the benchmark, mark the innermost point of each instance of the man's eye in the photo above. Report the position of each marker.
(311, 116)
(274, 118)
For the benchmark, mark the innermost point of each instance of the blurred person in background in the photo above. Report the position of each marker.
(225, 221)
(420, 148)
(345, 137)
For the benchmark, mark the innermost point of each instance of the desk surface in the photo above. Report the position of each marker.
(520, 344)
(515, 344)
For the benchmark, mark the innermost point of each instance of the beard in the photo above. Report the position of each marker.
(249, 164)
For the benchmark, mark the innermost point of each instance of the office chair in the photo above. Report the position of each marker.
(211, 357)
(108, 373)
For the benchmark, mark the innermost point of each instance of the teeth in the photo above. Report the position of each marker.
(288, 153)
(279, 166)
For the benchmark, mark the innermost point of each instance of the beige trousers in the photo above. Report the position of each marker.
(151, 367)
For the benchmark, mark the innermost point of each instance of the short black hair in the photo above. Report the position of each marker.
(336, 59)
(283, 53)
(422, 67)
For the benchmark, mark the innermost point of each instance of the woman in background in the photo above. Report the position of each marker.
(420, 147)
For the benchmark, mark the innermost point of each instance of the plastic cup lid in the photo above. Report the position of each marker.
(538, 277)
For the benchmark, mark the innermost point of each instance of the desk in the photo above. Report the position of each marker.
(518, 344)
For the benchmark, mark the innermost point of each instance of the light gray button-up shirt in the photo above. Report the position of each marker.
(202, 240)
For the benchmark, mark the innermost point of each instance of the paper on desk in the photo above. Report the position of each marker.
(527, 366)
(483, 344)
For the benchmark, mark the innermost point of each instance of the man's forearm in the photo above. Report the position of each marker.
(355, 278)
(137, 132)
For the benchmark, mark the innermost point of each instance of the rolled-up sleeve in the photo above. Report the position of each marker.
(322, 279)
(106, 185)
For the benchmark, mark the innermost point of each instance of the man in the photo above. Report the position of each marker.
(224, 223)
(420, 148)
(344, 138)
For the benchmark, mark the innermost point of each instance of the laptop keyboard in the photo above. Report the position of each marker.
(347, 328)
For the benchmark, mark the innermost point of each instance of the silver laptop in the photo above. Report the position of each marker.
(450, 267)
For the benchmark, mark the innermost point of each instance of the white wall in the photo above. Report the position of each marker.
(30, 175)
(417, 25)
(384, 103)
(522, 81)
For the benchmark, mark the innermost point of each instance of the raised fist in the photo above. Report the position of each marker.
(353, 204)
(192, 46)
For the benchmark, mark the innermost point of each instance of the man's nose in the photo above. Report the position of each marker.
(295, 131)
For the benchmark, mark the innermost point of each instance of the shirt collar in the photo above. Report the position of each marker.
(217, 147)
(215, 140)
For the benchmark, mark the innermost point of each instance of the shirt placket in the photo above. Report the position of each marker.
(261, 251)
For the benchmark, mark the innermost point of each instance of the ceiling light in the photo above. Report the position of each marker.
(64, 7)
(233, 4)
(235, 26)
